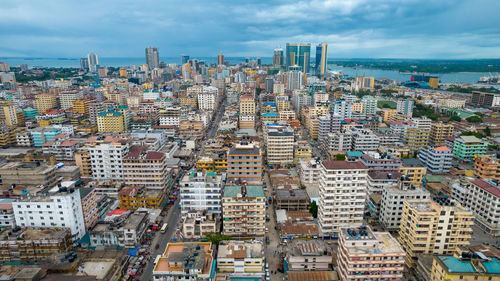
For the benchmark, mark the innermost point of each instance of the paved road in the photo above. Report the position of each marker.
(163, 239)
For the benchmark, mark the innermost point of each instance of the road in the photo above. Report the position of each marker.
(210, 134)
(173, 221)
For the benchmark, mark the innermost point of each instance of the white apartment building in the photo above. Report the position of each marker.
(329, 123)
(24, 138)
(483, 199)
(369, 105)
(342, 195)
(60, 208)
(423, 123)
(309, 171)
(279, 145)
(107, 159)
(342, 108)
(436, 159)
(201, 191)
(241, 258)
(206, 101)
(7, 218)
(145, 168)
(393, 198)
(339, 141)
(66, 99)
(169, 116)
(379, 180)
(364, 140)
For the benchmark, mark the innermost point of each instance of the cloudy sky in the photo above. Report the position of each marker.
(352, 28)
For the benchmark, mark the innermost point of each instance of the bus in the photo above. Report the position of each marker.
(163, 228)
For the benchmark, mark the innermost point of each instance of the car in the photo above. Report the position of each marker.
(268, 240)
(267, 273)
(267, 266)
(267, 229)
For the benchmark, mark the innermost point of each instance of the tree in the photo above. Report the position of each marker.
(216, 238)
(455, 118)
(469, 133)
(340, 157)
(487, 131)
(474, 119)
(313, 209)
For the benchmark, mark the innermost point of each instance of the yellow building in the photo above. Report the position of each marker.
(81, 106)
(464, 267)
(9, 116)
(302, 151)
(434, 82)
(44, 122)
(247, 121)
(431, 228)
(240, 256)
(387, 113)
(134, 197)
(417, 138)
(357, 107)
(210, 164)
(440, 132)
(413, 169)
(82, 160)
(247, 105)
(189, 101)
(110, 121)
(8, 135)
(123, 72)
(43, 102)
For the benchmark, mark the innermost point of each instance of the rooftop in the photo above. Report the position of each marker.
(343, 165)
(455, 265)
(240, 249)
(494, 190)
(312, 276)
(243, 191)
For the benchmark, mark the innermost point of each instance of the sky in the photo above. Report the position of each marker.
(443, 29)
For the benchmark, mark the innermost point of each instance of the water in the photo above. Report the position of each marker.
(464, 77)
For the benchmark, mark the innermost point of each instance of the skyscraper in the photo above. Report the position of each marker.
(184, 59)
(84, 64)
(220, 59)
(93, 60)
(298, 54)
(278, 58)
(321, 58)
(152, 57)
(295, 78)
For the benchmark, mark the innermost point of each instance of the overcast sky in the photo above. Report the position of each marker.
(352, 28)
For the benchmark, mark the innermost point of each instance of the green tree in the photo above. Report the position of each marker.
(474, 119)
(340, 157)
(487, 131)
(455, 118)
(313, 209)
(216, 238)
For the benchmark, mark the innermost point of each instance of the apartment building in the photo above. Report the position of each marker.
(200, 191)
(243, 211)
(405, 107)
(189, 129)
(369, 105)
(34, 245)
(247, 104)
(379, 180)
(123, 229)
(329, 123)
(279, 145)
(309, 172)
(28, 174)
(61, 208)
(135, 197)
(198, 224)
(417, 139)
(308, 255)
(106, 157)
(466, 266)
(483, 199)
(169, 116)
(381, 162)
(393, 198)
(436, 159)
(413, 169)
(206, 101)
(364, 254)
(44, 102)
(66, 98)
(465, 148)
(244, 162)
(364, 140)
(145, 168)
(41, 135)
(95, 108)
(81, 106)
(431, 227)
(339, 141)
(63, 149)
(487, 167)
(24, 138)
(292, 199)
(241, 258)
(90, 200)
(440, 132)
(342, 195)
(110, 121)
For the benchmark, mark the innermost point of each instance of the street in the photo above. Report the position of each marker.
(162, 239)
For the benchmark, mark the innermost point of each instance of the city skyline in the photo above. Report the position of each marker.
(352, 29)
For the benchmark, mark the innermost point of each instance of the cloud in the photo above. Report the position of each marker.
(353, 28)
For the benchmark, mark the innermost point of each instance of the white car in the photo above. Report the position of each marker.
(267, 266)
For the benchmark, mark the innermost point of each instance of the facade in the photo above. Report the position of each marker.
(135, 197)
(369, 105)
(487, 167)
(416, 139)
(481, 99)
(62, 208)
(413, 169)
(247, 105)
(405, 107)
(298, 54)
(197, 225)
(244, 161)
(292, 199)
(66, 98)
(342, 195)
(243, 211)
(440, 132)
(466, 147)
(89, 199)
(241, 258)
(321, 58)
(200, 191)
(308, 255)
(436, 159)
(61, 149)
(106, 158)
(393, 198)
(28, 174)
(152, 57)
(329, 123)
(433, 228)
(41, 135)
(206, 100)
(279, 145)
(145, 168)
(364, 140)
(44, 102)
(467, 266)
(126, 232)
(110, 121)
(369, 255)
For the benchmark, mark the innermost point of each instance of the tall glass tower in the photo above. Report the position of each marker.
(152, 57)
(321, 58)
(298, 54)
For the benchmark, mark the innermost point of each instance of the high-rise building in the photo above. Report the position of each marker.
(465, 148)
(184, 59)
(440, 132)
(405, 107)
(93, 60)
(342, 195)
(321, 58)
(43, 102)
(369, 105)
(295, 78)
(84, 64)
(220, 59)
(279, 142)
(298, 54)
(152, 57)
(107, 155)
(145, 168)
(430, 227)
(278, 58)
(110, 121)
(201, 191)
(374, 256)
(244, 211)
(436, 159)
(244, 161)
